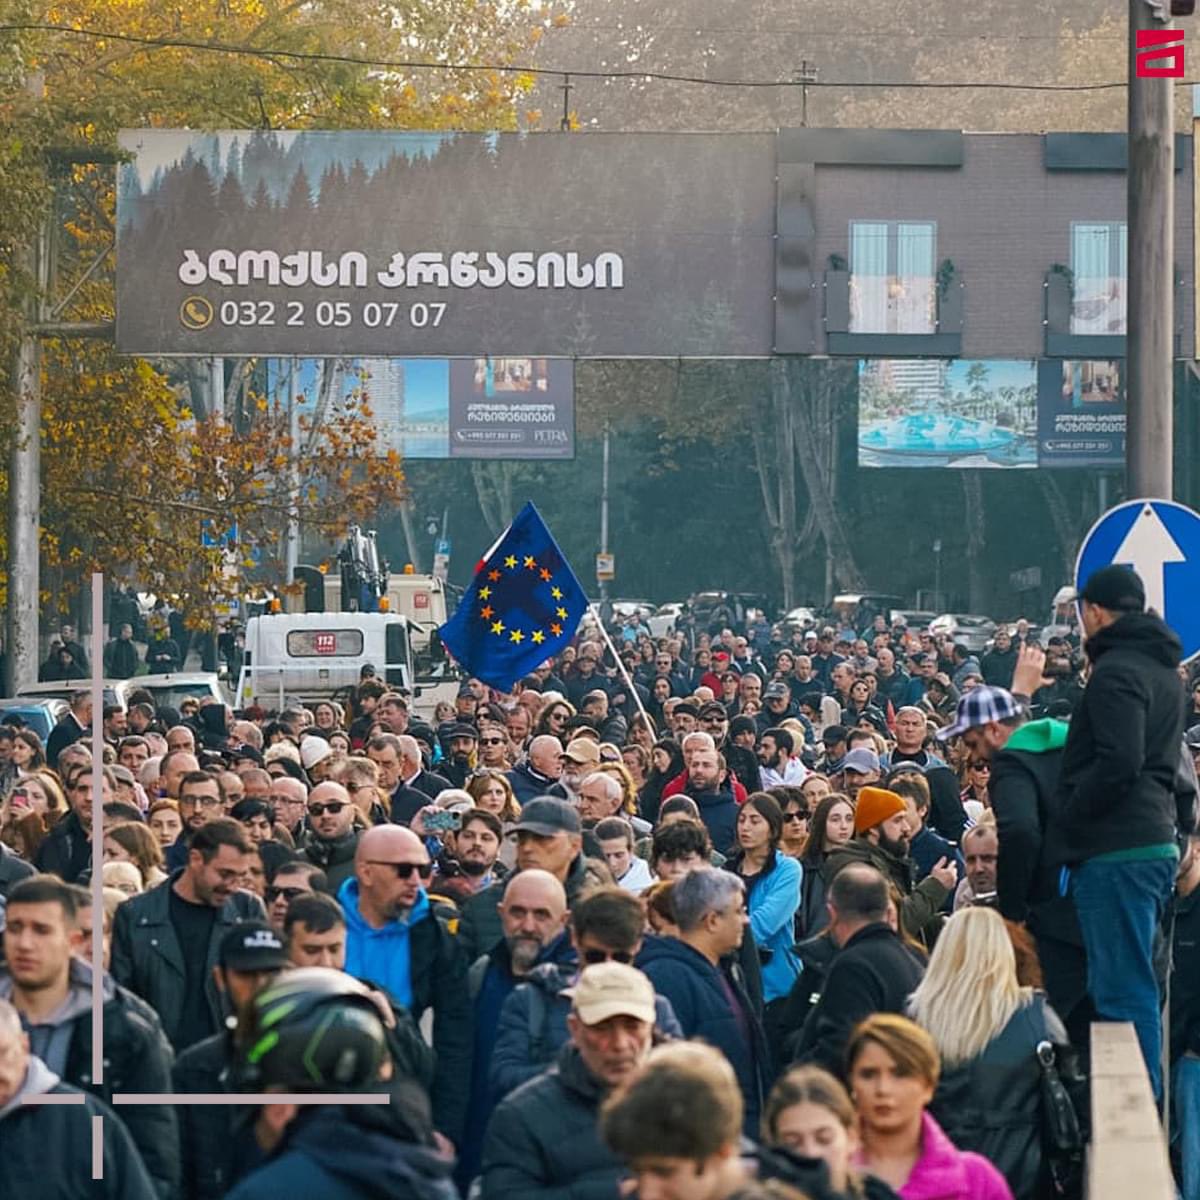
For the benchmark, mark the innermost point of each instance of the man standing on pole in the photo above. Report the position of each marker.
(1118, 790)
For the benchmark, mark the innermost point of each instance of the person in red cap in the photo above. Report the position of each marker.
(881, 839)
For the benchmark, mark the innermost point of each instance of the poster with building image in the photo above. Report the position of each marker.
(1081, 413)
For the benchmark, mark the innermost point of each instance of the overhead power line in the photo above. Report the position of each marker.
(274, 55)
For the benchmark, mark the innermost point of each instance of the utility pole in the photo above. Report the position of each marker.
(1150, 320)
(25, 476)
(604, 513)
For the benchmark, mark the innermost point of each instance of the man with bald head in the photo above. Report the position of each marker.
(533, 915)
(174, 766)
(395, 940)
(540, 771)
(334, 839)
(288, 798)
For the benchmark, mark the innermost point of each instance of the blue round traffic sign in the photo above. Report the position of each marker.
(1160, 540)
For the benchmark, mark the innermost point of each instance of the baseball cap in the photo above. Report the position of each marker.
(252, 946)
(583, 750)
(464, 689)
(314, 750)
(861, 761)
(714, 708)
(612, 989)
(980, 706)
(1117, 588)
(547, 816)
(776, 691)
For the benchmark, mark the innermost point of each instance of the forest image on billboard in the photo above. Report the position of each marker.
(936, 413)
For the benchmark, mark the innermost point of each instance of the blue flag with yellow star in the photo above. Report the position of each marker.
(522, 607)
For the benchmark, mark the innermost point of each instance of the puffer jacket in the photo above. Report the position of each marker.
(335, 858)
(544, 1143)
(993, 1103)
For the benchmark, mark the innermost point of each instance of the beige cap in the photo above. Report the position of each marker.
(583, 750)
(612, 989)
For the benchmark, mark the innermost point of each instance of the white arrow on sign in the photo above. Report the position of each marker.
(1147, 548)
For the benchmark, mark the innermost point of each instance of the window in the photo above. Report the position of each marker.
(892, 276)
(1098, 250)
(325, 643)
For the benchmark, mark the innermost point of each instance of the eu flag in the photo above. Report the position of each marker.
(522, 607)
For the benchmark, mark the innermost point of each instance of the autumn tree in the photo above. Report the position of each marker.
(133, 458)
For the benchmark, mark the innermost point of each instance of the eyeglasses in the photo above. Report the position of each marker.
(352, 788)
(203, 801)
(981, 766)
(592, 957)
(290, 801)
(404, 870)
(334, 806)
(289, 894)
(491, 741)
(795, 815)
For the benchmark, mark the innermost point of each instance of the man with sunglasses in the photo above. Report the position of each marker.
(493, 747)
(396, 941)
(334, 839)
(291, 880)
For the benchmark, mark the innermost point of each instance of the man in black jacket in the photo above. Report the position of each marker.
(1026, 758)
(67, 850)
(165, 941)
(873, 971)
(544, 1140)
(52, 994)
(46, 1148)
(1118, 785)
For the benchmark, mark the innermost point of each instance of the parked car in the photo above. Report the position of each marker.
(915, 619)
(800, 618)
(39, 715)
(972, 631)
(628, 608)
(664, 618)
(169, 690)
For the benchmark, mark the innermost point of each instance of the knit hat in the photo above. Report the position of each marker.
(1116, 588)
(314, 749)
(874, 806)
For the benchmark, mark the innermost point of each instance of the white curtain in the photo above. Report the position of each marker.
(914, 304)
(868, 277)
(1098, 256)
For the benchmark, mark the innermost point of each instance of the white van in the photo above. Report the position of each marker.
(310, 656)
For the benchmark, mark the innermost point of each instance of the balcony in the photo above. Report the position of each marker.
(944, 341)
(1075, 324)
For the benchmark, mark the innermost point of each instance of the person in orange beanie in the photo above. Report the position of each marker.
(881, 839)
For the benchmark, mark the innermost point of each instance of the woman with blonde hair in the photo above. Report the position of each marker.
(492, 792)
(892, 1067)
(990, 1094)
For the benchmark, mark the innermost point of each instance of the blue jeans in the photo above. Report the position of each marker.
(1185, 1092)
(1120, 907)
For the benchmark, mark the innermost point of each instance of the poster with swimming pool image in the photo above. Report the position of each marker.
(925, 412)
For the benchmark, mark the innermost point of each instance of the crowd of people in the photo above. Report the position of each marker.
(824, 915)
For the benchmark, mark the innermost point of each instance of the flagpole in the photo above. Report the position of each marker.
(621, 667)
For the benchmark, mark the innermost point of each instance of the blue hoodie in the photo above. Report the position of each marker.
(381, 956)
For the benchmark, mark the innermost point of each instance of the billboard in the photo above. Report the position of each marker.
(927, 412)
(1081, 414)
(392, 244)
(503, 408)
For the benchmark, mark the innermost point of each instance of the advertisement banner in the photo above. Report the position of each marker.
(386, 244)
(1081, 414)
(927, 412)
(503, 408)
